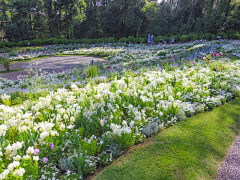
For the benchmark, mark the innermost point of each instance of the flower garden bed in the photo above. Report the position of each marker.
(68, 123)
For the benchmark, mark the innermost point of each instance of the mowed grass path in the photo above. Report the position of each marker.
(192, 149)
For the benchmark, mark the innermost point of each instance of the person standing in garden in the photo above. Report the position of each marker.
(149, 39)
(152, 37)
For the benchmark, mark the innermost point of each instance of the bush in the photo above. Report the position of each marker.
(183, 38)
(225, 36)
(26, 43)
(207, 36)
(55, 41)
(111, 40)
(36, 42)
(213, 37)
(194, 37)
(131, 39)
(6, 63)
(123, 39)
(162, 53)
(142, 40)
(11, 44)
(136, 40)
(202, 36)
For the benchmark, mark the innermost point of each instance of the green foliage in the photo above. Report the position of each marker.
(79, 161)
(162, 53)
(6, 63)
(123, 39)
(36, 42)
(111, 40)
(131, 39)
(91, 71)
(142, 40)
(213, 37)
(12, 33)
(183, 38)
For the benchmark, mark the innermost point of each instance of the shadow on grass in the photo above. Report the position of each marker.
(192, 149)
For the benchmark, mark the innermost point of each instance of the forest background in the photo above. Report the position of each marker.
(77, 19)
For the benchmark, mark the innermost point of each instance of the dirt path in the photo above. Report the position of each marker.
(230, 167)
(49, 64)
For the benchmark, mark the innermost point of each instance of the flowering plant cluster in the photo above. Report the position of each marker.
(74, 123)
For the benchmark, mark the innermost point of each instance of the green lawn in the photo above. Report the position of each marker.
(11, 70)
(192, 149)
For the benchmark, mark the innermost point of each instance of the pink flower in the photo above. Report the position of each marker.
(191, 61)
(52, 145)
(102, 121)
(226, 53)
(36, 151)
(45, 160)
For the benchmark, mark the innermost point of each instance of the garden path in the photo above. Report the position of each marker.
(230, 167)
(54, 63)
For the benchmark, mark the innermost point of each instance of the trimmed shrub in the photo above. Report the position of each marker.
(142, 40)
(123, 39)
(131, 39)
(207, 36)
(213, 37)
(183, 38)
(105, 40)
(136, 40)
(202, 36)
(55, 41)
(194, 37)
(111, 40)
(11, 44)
(20, 43)
(36, 42)
(225, 36)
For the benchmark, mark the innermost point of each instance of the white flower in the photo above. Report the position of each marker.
(17, 158)
(19, 172)
(35, 158)
(62, 127)
(12, 165)
(70, 126)
(3, 130)
(26, 157)
(30, 150)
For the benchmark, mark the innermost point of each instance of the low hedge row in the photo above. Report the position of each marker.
(130, 39)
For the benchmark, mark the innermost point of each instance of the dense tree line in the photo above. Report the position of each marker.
(29, 19)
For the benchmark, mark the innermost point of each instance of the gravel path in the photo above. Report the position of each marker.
(230, 167)
(50, 64)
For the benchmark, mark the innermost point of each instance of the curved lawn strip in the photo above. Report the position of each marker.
(192, 149)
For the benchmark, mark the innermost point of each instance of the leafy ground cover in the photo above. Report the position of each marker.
(192, 149)
(71, 122)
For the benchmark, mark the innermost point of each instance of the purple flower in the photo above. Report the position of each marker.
(36, 151)
(45, 160)
(52, 145)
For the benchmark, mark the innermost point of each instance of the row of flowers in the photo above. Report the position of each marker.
(72, 130)
(119, 58)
